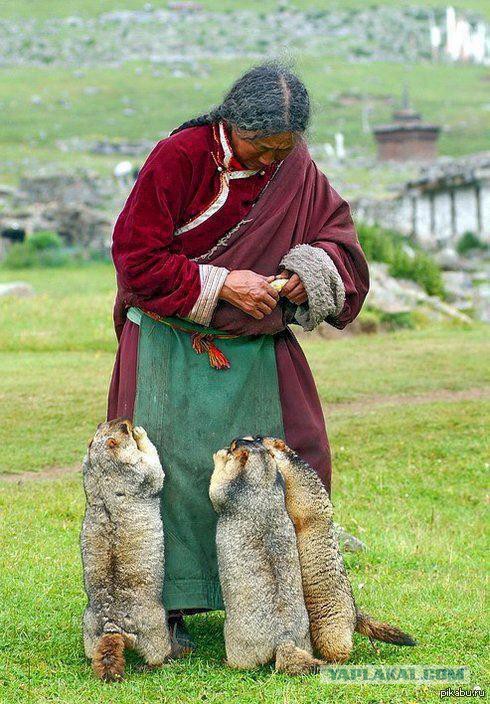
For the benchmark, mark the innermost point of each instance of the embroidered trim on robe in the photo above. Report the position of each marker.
(212, 280)
(224, 190)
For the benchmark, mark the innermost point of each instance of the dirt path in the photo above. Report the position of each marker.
(51, 473)
(358, 406)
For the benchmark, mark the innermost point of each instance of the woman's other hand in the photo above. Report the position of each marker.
(294, 290)
(250, 292)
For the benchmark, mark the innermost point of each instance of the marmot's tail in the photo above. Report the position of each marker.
(108, 661)
(294, 661)
(377, 630)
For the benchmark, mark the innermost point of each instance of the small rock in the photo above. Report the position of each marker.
(459, 287)
(482, 302)
(348, 542)
(16, 288)
(392, 295)
(7, 190)
(448, 259)
(123, 169)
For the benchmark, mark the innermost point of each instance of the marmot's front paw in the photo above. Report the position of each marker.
(139, 434)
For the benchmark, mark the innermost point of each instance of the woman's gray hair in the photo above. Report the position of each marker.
(268, 99)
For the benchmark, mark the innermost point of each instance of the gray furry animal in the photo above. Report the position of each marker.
(123, 550)
(327, 590)
(258, 564)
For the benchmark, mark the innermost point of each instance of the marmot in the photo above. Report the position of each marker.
(327, 590)
(123, 550)
(258, 563)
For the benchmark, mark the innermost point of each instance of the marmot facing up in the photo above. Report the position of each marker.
(326, 586)
(258, 563)
(122, 550)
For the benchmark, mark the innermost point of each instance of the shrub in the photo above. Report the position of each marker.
(377, 244)
(42, 249)
(21, 257)
(373, 320)
(369, 320)
(388, 246)
(421, 268)
(470, 241)
(397, 321)
(47, 249)
(41, 241)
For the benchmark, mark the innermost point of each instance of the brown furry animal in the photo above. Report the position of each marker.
(259, 570)
(327, 590)
(122, 550)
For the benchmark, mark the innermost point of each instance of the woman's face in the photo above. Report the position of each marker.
(255, 151)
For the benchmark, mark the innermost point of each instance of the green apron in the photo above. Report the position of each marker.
(190, 410)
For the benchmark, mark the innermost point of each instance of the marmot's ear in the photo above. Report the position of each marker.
(90, 443)
(124, 428)
(280, 445)
(242, 456)
(111, 442)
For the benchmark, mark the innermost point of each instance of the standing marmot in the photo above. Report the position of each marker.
(258, 563)
(122, 550)
(326, 586)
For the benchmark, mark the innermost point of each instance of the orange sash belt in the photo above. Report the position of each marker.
(201, 341)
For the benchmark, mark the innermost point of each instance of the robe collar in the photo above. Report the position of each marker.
(222, 154)
(225, 158)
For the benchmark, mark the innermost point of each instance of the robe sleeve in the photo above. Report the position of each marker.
(332, 267)
(232, 320)
(151, 267)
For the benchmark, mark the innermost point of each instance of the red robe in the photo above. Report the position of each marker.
(177, 183)
(183, 203)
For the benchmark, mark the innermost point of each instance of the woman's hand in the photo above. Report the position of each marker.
(250, 292)
(294, 289)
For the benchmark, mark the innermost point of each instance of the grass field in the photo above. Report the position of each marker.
(406, 415)
(69, 340)
(89, 8)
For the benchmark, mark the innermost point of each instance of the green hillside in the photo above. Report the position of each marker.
(449, 95)
(49, 101)
(89, 8)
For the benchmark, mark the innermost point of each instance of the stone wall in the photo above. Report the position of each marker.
(80, 207)
(436, 210)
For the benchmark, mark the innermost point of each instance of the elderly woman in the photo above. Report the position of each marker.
(221, 207)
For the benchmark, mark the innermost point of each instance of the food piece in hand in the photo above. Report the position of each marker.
(278, 284)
